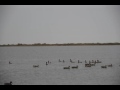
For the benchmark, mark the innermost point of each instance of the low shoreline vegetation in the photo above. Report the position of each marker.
(65, 44)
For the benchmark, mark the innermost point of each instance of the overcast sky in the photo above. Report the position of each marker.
(59, 24)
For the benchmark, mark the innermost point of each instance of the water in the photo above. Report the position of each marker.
(21, 71)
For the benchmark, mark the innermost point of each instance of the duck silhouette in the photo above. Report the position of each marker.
(8, 83)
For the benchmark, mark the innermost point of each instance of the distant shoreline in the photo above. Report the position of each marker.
(68, 44)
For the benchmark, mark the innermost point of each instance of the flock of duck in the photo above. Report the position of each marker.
(86, 63)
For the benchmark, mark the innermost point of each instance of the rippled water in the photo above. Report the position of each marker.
(21, 71)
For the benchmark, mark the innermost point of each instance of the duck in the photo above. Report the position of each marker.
(66, 67)
(104, 66)
(79, 61)
(10, 62)
(71, 61)
(8, 83)
(89, 62)
(75, 67)
(59, 60)
(87, 65)
(110, 65)
(46, 63)
(35, 66)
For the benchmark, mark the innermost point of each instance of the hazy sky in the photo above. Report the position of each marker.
(59, 24)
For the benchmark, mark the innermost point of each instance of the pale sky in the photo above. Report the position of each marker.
(59, 24)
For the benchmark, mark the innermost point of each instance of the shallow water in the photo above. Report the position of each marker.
(21, 71)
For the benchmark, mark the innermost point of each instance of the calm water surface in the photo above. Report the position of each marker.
(21, 71)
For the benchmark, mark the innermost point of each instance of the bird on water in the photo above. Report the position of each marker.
(8, 83)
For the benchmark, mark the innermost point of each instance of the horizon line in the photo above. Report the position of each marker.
(61, 43)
